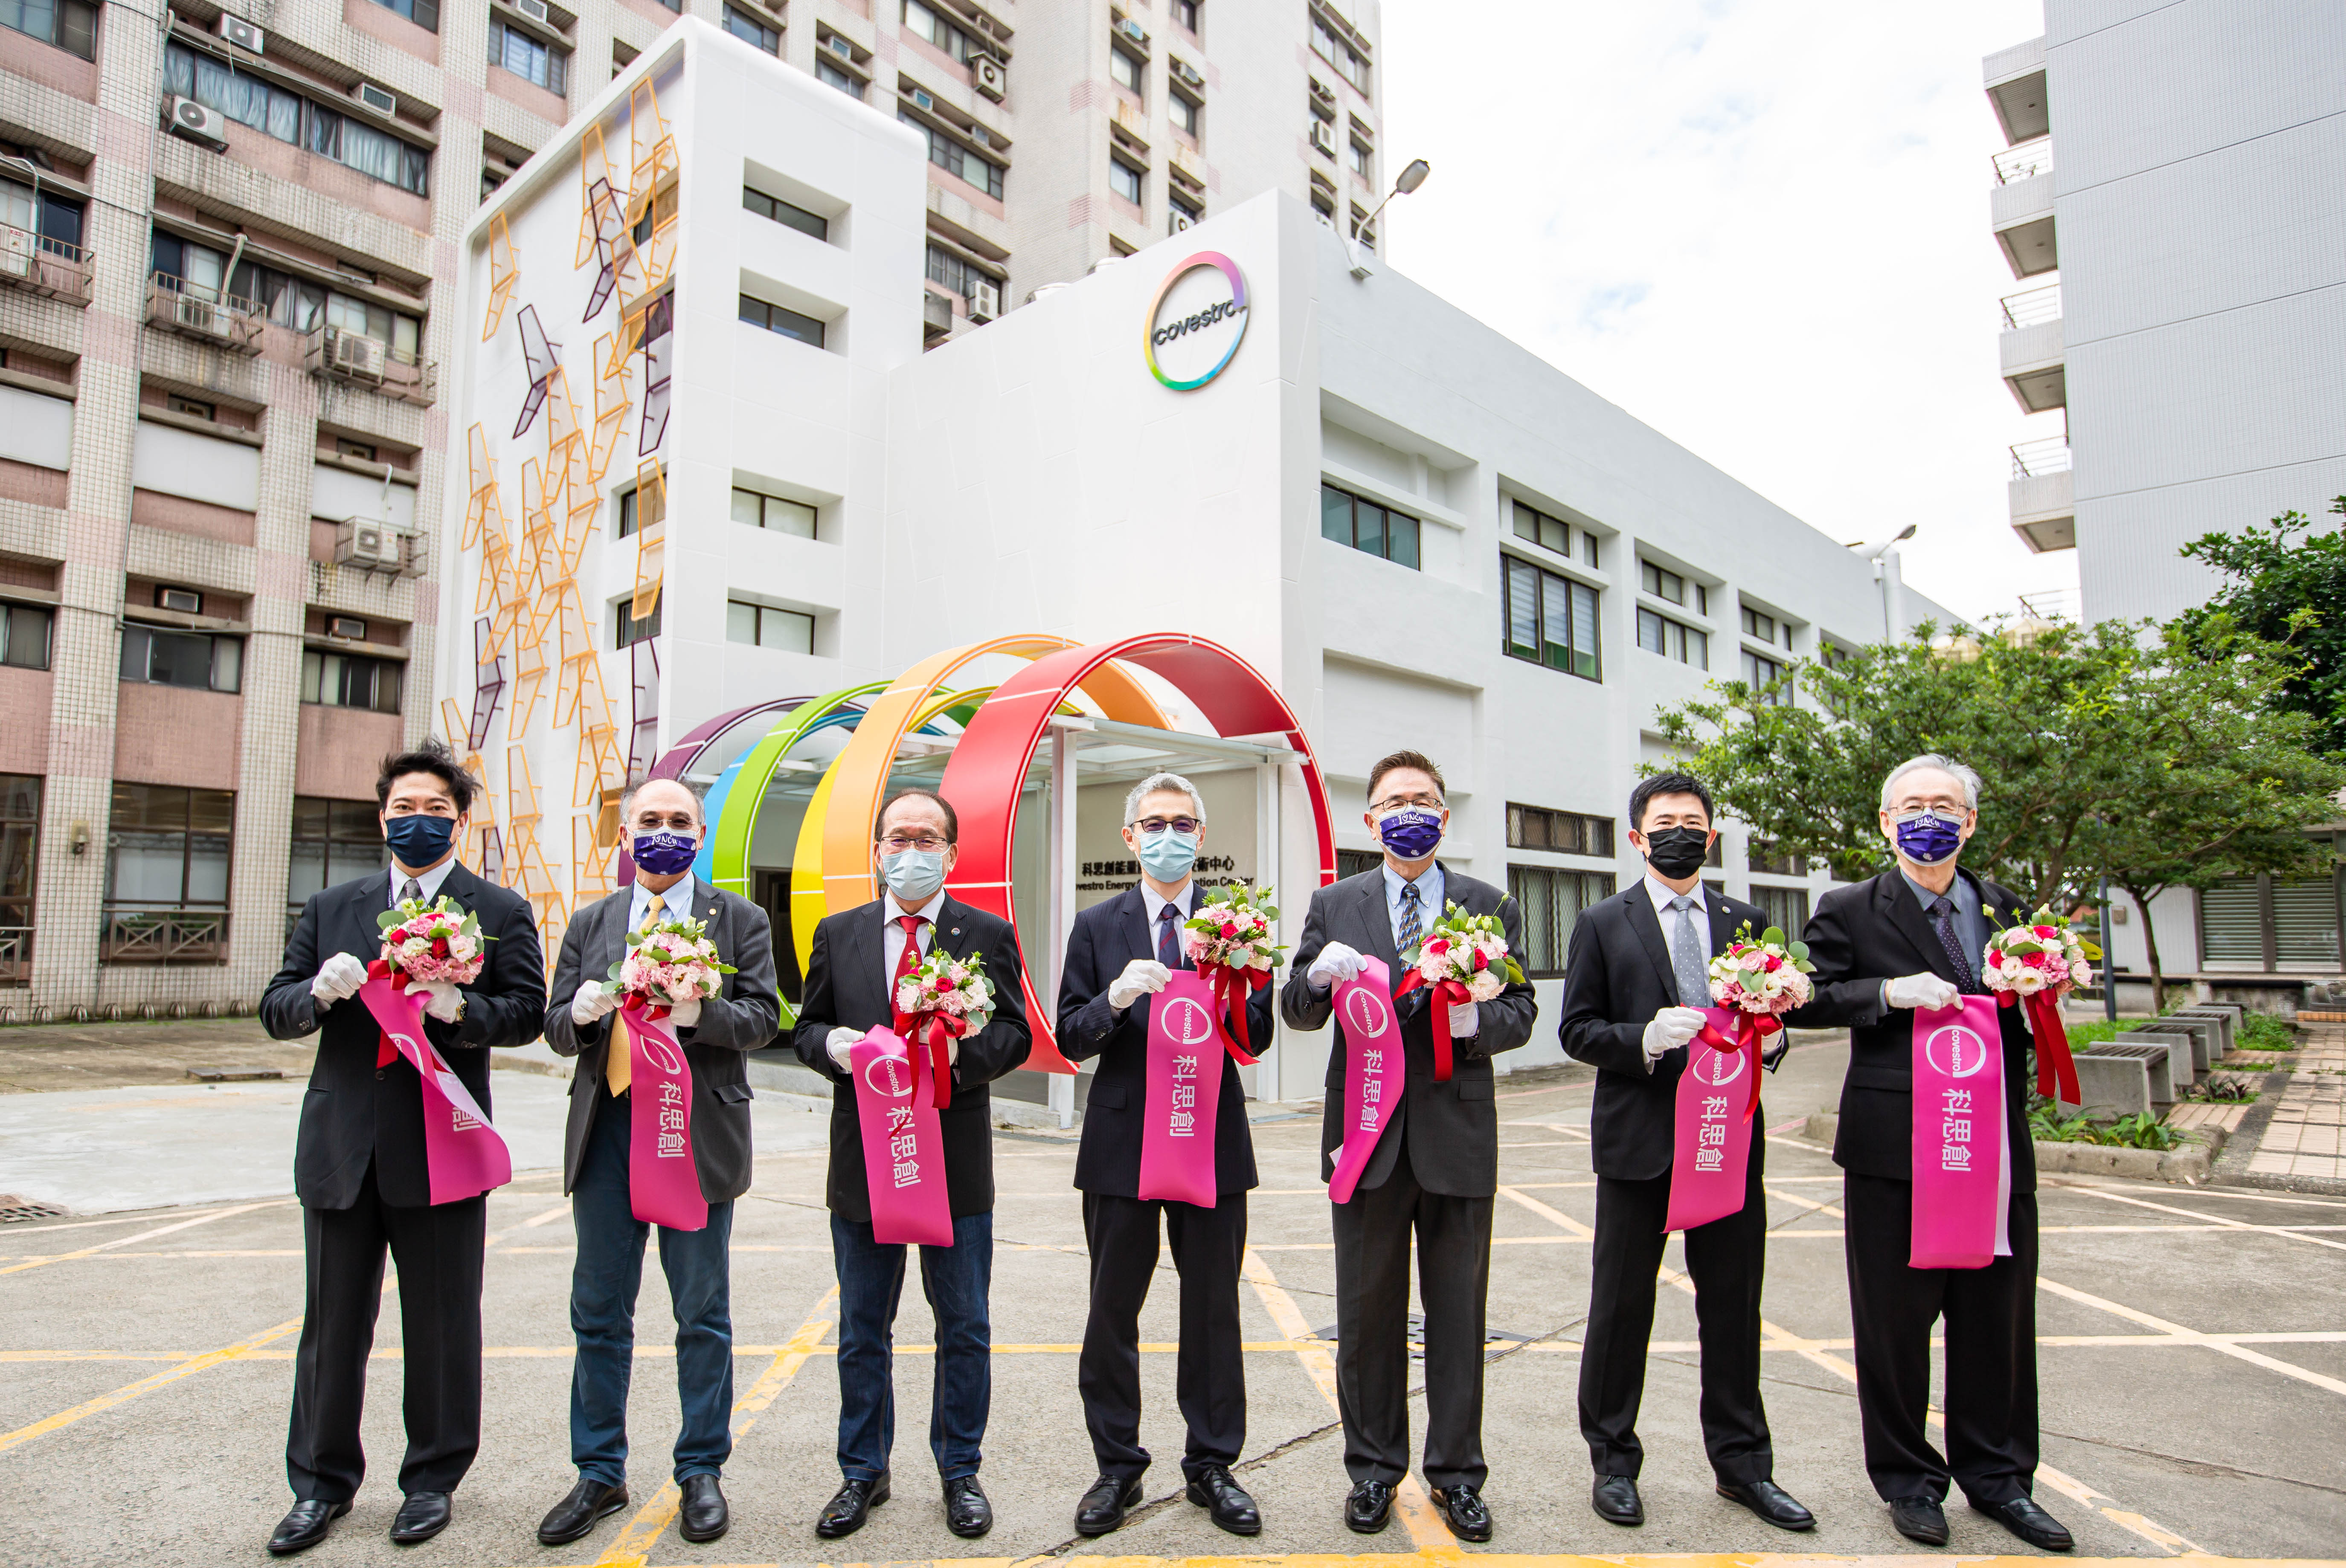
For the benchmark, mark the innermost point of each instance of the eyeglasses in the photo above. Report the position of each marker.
(1402, 802)
(897, 843)
(1182, 825)
(652, 821)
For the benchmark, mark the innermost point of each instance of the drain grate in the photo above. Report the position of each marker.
(14, 1209)
(1496, 1342)
(234, 1075)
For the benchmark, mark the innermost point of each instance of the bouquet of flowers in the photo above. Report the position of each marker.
(1763, 975)
(942, 999)
(671, 959)
(2033, 965)
(1462, 959)
(1229, 942)
(436, 941)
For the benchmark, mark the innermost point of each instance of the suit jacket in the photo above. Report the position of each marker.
(1859, 936)
(1453, 1127)
(356, 1113)
(1107, 937)
(847, 986)
(743, 1017)
(1618, 975)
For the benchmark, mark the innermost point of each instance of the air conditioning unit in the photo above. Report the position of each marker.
(240, 32)
(533, 9)
(192, 121)
(17, 250)
(841, 46)
(380, 100)
(1131, 29)
(1322, 92)
(1187, 72)
(922, 100)
(202, 316)
(355, 354)
(349, 629)
(187, 601)
(1323, 137)
(984, 299)
(987, 73)
(370, 545)
(1181, 219)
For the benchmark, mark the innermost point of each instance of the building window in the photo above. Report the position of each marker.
(1187, 114)
(1564, 833)
(833, 76)
(1180, 212)
(20, 844)
(25, 631)
(347, 680)
(1365, 161)
(531, 59)
(1768, 861)
(290, 118)
(1368, 526)
(1786, 909)
(771, 512)
(425, 14)
(54, 219)
(1124, 180)
(1323, 207)
(159, 656)
(1128, 73)
(1763, 626)
(1551, 620)
(763, 626)
(1548, 533)
(750, 30)
(931, 29)
(333, 841)
(1339, 54)
(784, 213)
(1758, 672)
(778, 319)
(956, 160)
(283, 298)
(1552, 901)
(168, 848)
(70, 24)
(626, 631)
(1685, 644)
(1664, 584)
(956, 273)
(629, 519)
(1353, 862)
(1186, 15)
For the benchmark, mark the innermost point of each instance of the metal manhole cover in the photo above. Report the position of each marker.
(1496, 1341)
(14, 1209)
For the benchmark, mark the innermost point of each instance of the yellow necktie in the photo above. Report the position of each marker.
(618, 1057)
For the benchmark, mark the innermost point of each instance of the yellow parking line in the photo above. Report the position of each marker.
(142, 1236)
(124, 1394)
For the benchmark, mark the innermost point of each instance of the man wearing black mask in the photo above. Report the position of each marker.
(358, 1163)
(1634, 981)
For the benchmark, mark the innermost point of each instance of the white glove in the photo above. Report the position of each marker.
(684, 1014)
(842, 1039)
(1671, 1028)
(591, 1001)
(1464, 1021)
(1926, 990)
(440, 1000)
(338, 979)
(1141, 977)
(1336, 962)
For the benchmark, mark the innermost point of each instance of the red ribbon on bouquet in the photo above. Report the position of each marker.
(932, 1028)
(1447, 994)
(1230, 985)
(1750, 1028)
(2056, 1068)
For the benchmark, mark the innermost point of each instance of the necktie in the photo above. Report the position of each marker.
(910, 959)
(1168, 938)
(1407, 939)
(1942, 911)
(619, 1066)
(1686, 955)
(412, 889)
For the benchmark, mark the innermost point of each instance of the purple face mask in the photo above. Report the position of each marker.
(1411, 833)
(664, 854)
(1928, 839)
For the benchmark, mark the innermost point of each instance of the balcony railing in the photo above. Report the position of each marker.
(2027, 161)
(2032, 307)
(338, 354)
(132, 935)
(204, 313)
(2036, 459)
(2052, 605)
(43, 265)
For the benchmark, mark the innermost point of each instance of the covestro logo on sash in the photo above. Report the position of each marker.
(1193, 327)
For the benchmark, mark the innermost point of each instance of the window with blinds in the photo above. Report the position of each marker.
(2305, 923)
(2232, 925)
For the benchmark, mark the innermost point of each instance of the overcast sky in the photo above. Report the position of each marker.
(1760, 226)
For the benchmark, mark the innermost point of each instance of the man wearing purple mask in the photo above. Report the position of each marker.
(1435, 1166)
(663, 826)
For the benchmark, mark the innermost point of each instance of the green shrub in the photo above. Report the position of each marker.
(2262, 1031)
(2139, 1131)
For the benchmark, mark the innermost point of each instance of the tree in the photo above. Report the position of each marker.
(2283, 589)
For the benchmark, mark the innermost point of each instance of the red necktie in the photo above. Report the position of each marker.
(907, 961)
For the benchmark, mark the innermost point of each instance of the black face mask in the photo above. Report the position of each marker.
(1678, 852)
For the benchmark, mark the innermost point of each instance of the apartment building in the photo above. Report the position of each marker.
(2181, 333)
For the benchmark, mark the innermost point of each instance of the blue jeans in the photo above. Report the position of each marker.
(871, 1281)
(603, 1287)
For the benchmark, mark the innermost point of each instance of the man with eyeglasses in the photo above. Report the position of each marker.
(1435, 1166)
(1119, 954)
(857, 957)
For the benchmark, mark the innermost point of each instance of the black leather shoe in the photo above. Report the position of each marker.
(570, 1519)
(1468, 1516)
(1920, 1519)
(304, 1526)
(703, 1515)
(850, 1506)
(1770, 1502)
(1615, 1497)
(967, 1513)
(1104, 1506)
(421, 1516)
(2030, 1522)
(1370, 1508)
(1226, 1501)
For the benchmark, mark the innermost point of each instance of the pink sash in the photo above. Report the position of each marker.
(1374, 1075)
(1710, 1152)
(904, 1144)
(463, 1155)
(663, 1178)
(1185, 1090)
(1959, 1130)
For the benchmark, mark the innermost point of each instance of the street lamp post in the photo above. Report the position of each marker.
(1410, 178)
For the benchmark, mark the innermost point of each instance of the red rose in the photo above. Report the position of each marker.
(2033, 960)
(1482, 959)
(1774, 964)
(941, 984)
(2043, 931)
(1229, 929)
(440, 949)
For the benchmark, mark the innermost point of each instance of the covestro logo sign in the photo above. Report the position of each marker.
(1197, 322)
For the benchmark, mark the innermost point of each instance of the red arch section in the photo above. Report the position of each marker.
(990, 763)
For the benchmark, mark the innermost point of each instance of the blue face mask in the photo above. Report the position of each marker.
(1411, 833)
(1928, 838)
(914, 876)
(1167, 855)
(663, 853)
(418, 839)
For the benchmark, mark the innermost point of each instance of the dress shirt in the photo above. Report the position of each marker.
(1971, 921)
(678, 900)
(892, 934)
(428, 881)
(1185, 901)
(1669, 917)
(1429, 892)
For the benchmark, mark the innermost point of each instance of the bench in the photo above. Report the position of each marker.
(2182, 1044)
(2117, 1083)
(2227, 1022)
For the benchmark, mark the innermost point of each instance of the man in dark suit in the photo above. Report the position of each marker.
(1436, 1164)
(1638, 972)
(1119, 953)
(663, 820)
(359, 1161)
(1912, 937)
(850, 977)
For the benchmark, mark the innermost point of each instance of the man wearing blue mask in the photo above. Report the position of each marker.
(856, 958)
(1912, 938)
(1435, 1166)
(358, 1165)
(663, 822)
(1121, 952)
